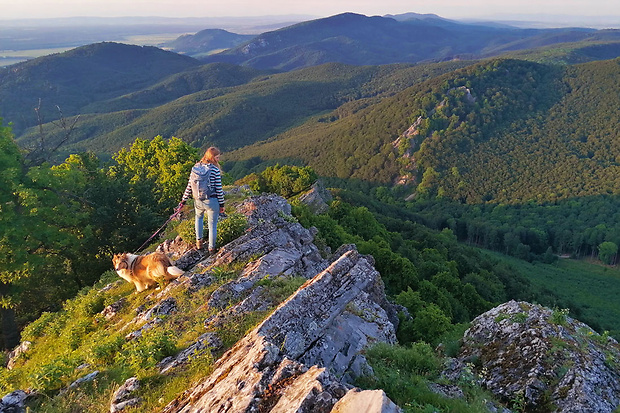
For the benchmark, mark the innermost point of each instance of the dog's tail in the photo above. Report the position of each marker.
(174, 272)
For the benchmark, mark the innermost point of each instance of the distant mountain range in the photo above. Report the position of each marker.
(206, 42)
(250, 93)
(360, 40)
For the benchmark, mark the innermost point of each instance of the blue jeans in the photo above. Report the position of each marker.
(212, 207)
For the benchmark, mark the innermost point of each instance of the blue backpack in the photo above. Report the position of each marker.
(199, 179)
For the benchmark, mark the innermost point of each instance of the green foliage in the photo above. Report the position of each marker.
(558, 316)
(37, 328)
(282, 180)
(402, 372)
(231, 228)
(159, 164)
(607, 252)
(281, 288)
(145, 352)
(50, 376)
(430, 323)
(105, 348)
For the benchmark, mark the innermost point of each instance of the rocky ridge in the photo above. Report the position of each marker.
(305, 355)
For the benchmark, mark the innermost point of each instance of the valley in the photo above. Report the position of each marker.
(474, 167)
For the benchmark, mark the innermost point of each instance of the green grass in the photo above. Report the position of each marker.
(590, 291)
(404, 372)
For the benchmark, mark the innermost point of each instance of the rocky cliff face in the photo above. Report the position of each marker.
(303, 357)
(541, 360)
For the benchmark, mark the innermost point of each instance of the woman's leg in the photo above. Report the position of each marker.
(213, 213)
(199, 209)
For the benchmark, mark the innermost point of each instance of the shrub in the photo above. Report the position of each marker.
(148, 350)
(106, 349)
(558, 316)
(50, 376)
(418, 358)
(430, 323)
(38, 327)
(283, 180)
(228, 229)
(231, 228)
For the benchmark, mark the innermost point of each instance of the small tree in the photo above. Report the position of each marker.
(607, 252)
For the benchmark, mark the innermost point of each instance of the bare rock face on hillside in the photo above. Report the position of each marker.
(317, 198)
(303, 357)
(543, 359)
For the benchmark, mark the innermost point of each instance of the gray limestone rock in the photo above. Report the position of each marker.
(206, 342)
(264, 207)
(295, 360)
(14, 402)
(317, 198)
(552, 362)
(125, 396)
(111, 310)
(23, 347)
(366, 401)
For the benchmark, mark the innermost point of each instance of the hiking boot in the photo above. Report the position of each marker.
(199, 244)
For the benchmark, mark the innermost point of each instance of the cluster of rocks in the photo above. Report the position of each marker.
(304, 355)
(542, 358)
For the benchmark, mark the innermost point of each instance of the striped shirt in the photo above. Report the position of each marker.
(215, 181)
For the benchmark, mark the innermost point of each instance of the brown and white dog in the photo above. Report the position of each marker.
(145, 270)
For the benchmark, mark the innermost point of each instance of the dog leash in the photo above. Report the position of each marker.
(176, 212)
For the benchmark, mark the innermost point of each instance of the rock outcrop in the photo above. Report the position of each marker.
(317, 198)
(304, 356)
(543, 358)
(300, 358)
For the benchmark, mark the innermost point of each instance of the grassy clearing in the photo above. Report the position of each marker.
(590, 290)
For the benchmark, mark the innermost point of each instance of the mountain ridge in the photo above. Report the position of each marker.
(358, 39)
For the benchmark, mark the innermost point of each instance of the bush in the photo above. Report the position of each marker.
(148, 350)
(38, 327)
(228, 229)
(106, 349)
(231, 228)
(283, 180)
(418, 358)
(51, 376)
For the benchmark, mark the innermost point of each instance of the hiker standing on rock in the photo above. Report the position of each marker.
(205, 186)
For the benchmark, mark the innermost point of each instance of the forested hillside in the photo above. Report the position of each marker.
(80, 77)
(231, 106)
(514, 156)
(500, 131)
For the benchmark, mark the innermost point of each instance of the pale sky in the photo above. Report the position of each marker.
(453, 9)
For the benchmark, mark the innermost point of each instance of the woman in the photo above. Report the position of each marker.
(205, 186)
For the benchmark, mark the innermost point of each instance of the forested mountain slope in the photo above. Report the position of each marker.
(501, 131)
(232, 106)
(79, 77)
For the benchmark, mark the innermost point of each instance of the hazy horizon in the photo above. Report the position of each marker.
(579, 12)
